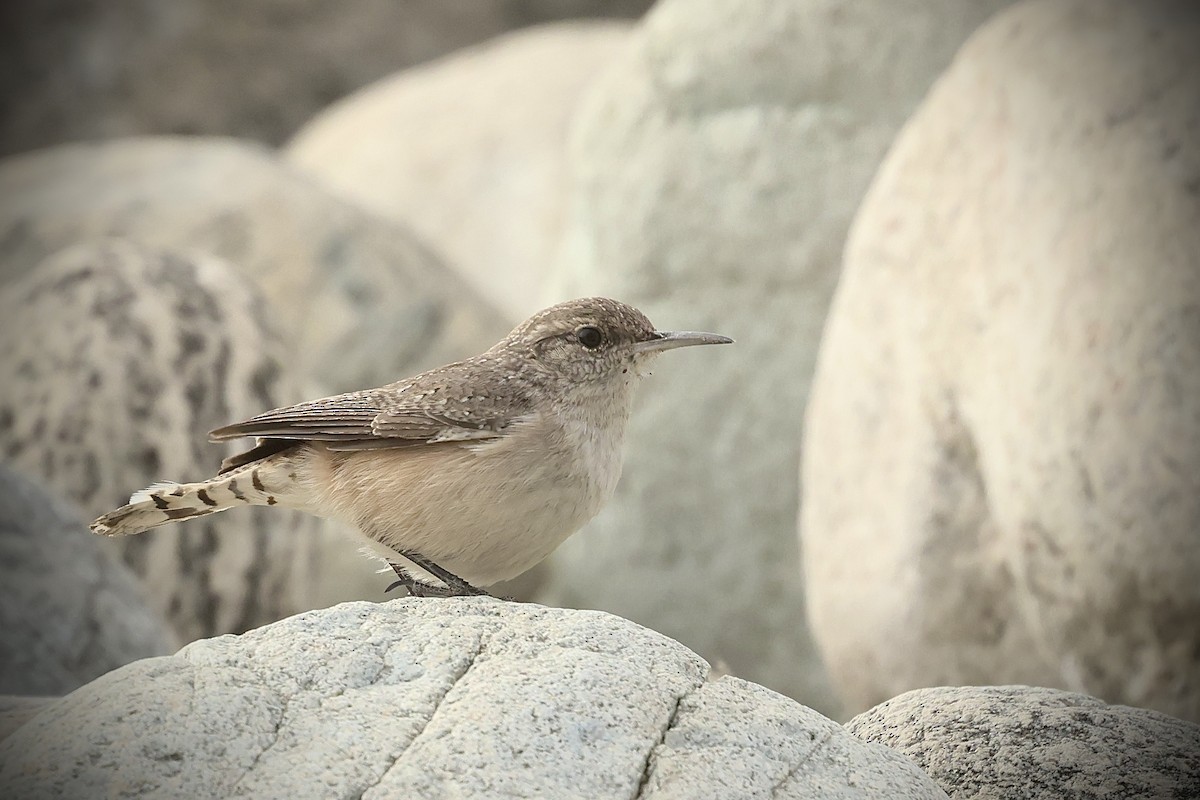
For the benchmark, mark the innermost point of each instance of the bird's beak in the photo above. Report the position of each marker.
(669, 340)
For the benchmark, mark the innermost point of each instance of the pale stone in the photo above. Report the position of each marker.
(69, 610)
(1026, 743)
(1002, 460)
(361, 301)
(119, 359)
(440, 698)
(715, 169)
(470, 151)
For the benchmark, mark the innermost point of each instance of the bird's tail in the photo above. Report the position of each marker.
(164, 503)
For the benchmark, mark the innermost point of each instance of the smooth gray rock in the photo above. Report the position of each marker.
(1026, 743)
(118, 360)
(1002, 458)
(361, 301)
(481, 178)
(88, 69)
(430, 699)
(715, 168)
(69, 610)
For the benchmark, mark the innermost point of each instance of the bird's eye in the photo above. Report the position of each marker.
(589, 337)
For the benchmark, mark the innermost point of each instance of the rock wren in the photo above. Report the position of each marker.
(464, 475)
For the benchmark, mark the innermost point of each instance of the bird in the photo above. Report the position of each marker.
(460, 477)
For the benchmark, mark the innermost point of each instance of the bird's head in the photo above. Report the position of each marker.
(598, 340)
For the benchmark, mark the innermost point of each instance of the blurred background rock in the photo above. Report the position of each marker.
(118, 359)
(359, 299)
(72, 611)
(1002, 464)
(87, 69)
(1001, 460)
(470, 151)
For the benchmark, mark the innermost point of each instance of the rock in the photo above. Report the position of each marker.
(470, 151)
(83, 69)
(427, 698)
(362, 302)
(1002, 459)
(715, 169)
(1028, 743)
(69, 611)
(16, 710)
(733, 738)
(120, 358)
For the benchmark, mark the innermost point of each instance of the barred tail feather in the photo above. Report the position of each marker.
(144, 495)
(166, 502)
(142, 516)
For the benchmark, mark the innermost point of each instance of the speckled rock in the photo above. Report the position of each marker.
(69, 610)
(715, 168)
(16, 710)
(429, 699)
(1025, 743)
(1002, 458)
(119, 359)
(362, 301)
(470, 151)
(85, 69)
(732, 738)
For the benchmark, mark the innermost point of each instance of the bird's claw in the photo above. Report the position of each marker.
(455, 586)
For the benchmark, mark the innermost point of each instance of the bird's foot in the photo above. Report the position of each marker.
(454, 585)
(419, 589)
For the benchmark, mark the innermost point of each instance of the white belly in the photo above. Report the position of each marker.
(486, 511)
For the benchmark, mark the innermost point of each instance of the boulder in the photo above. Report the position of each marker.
(437, 698)
(86, 69)
(69, 610)
(715, 167)
(470, 151)
(1002, 459)
(119, 359)
(362, 302)
(1026, 743)
(16, 710)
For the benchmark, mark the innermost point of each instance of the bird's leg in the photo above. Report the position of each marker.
(415, 587)
(455, 586)
(452, 581)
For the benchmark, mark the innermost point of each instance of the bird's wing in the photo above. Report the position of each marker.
(386, 418)
(329, 419)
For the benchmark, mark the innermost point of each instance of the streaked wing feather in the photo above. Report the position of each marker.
(346, 445)
(357, 422)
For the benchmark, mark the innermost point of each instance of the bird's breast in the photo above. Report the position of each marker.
(569, 459)
(486, 510)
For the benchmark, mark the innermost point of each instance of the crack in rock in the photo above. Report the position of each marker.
(287, 701)
(275, 736)
(816, 748)
(437, 707)
(662, 737)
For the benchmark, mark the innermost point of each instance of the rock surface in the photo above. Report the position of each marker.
(362, 302)
(83, 69)
(470, 151)
(118, 360)
(715, 169)
(1025, 743)
(69, 610)
(419, 698)
(16, 710)
(1002, 459)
